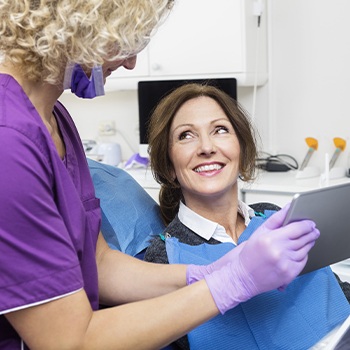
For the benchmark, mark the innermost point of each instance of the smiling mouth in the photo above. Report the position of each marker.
(209, 167)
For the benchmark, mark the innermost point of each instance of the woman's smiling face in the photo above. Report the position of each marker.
(204, 150)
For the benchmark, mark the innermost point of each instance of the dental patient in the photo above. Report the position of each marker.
(201, 145)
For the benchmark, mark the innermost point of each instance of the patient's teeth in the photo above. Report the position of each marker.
(208, 168)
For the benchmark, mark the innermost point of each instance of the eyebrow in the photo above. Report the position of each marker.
(191, 125)
(182, 126)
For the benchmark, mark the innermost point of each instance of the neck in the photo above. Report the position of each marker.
(223, 210)
(213, 206)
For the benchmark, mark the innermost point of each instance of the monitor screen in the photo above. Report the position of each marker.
(152, 91)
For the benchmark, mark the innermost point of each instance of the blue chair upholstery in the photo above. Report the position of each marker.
(130, 216)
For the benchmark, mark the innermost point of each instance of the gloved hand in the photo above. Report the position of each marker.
(195, 273)
(271, 258)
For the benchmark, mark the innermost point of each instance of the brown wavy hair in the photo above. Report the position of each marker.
(41, 36)
(158, 137)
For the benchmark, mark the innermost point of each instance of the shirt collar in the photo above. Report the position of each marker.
(207, 228)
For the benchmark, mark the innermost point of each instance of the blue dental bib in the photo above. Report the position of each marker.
(295, 319)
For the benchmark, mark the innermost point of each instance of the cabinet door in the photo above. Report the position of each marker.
(200, 37)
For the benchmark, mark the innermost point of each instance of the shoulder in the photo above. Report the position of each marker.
(345, 287)
(25, 153)
(20, 123)
(156, 251)
(262, 206)
(185, 235)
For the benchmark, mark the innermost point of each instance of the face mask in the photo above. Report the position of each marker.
(76, 79)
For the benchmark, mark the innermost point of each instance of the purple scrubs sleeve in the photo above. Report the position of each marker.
(49, 216)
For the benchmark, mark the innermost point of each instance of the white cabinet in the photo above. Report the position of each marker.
(199, 37)
(280, 187)
(203, 39)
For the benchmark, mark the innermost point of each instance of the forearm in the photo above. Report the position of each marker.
(151, 324)
(69, 322)
(124, 279)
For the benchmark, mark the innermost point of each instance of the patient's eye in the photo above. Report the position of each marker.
(185, 135)
(222, 129)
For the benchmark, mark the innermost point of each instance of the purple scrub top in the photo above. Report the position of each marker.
(49, 215)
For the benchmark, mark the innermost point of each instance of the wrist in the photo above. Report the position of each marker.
(227, 288)
(195, 273)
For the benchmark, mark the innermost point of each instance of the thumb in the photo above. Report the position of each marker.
(277, 219)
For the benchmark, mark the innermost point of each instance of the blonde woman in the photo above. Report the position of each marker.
(55, 267)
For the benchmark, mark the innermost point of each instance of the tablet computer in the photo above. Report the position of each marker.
(329, 208)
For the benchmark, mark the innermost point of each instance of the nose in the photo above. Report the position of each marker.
(130, 62)
(206, 146)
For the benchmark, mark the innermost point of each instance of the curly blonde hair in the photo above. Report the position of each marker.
(41, 36)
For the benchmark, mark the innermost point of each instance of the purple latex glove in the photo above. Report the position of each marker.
(195, 273)
(272, 257)
(84, 87)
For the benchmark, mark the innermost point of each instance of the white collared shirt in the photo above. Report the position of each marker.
(209, 229)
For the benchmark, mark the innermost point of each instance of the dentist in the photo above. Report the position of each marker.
(55, 267)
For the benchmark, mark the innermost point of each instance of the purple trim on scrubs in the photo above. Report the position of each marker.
(49, 216)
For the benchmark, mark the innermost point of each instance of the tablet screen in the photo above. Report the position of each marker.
(329, 208)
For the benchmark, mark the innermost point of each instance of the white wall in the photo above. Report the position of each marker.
(306, 95)
(309, 76)
(118, 106)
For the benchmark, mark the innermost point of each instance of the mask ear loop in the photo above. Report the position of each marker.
(98, 80)
(67, 80)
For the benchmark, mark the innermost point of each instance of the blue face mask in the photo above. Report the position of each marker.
(76, 79)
